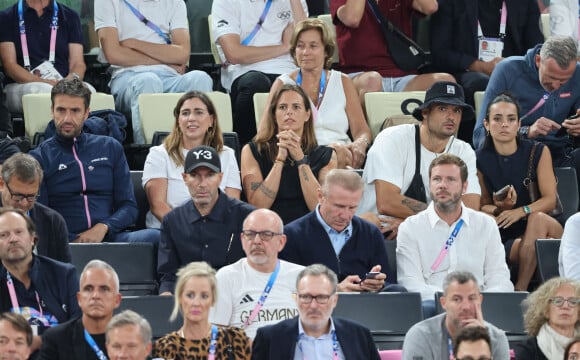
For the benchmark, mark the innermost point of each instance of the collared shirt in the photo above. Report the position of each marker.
(338, 239)
(319, 348)
(477, 248)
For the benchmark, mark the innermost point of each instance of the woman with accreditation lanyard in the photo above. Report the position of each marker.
(334, 100)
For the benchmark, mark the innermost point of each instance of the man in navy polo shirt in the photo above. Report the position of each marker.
(28, 30)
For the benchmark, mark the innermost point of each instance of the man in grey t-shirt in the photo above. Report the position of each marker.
(431, 339)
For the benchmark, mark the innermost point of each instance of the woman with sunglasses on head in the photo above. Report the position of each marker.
(551, 320)
(502, 167)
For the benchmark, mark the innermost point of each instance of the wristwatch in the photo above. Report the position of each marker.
(304, 161)
(524, 131)
(527, 209)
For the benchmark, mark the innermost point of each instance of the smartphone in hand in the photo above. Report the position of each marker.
(502, 193)
(372, 275)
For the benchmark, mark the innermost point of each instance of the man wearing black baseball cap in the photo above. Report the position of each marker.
(208, 227)
(392, 187)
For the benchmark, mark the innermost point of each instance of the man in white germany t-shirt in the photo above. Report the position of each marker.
(257, 290)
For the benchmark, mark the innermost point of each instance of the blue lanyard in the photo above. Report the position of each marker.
(450, 347)
(213, 342)
(334, 346)
(321, 86)
(263, 297)
(446, 247)
(24, 42)
(258, 26)
(94, 346)
(149, 23)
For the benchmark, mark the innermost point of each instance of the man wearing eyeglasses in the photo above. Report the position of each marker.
(432, 339)
(257, 290)
(472, 343)
(332, 235)
(314, 330)
(19, 184)
(207, 228)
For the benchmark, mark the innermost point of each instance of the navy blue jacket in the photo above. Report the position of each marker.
(308, 243)
(109, 189)
(57, 285)
(454, 42)
(278, 341)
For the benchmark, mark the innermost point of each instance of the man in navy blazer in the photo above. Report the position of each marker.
(332, 235)
(455, 41)
(314, 331)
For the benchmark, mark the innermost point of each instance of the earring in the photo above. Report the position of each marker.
(487, 133)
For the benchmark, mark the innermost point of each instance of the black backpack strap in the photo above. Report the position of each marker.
(417, 150)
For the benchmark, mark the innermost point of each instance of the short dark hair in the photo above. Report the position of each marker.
(19, 323)
(450, 159)
(71, 87)
(460, 277)
(471, 334)
(29, 223)
(576, 340)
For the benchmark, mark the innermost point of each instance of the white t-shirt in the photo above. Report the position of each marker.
(240, 17)
(330, 120)
(240, 288)
(392, 159)
(159, 165)
(564, 18)
(168, 15)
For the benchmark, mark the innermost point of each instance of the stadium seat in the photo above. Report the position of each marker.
(140, 198)
(37, 111)
(568, 191)
(388, 315)
(260, 100)
(380, 105)
(135, 263)
(328, 20)
(478, 99)
(214, 49)
(547, 254)
(157, 111)
(545, 25)
(156, 309)
(391, 246)
(391, 354)
(230, 139)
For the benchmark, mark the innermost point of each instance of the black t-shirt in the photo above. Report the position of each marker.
(32, 307)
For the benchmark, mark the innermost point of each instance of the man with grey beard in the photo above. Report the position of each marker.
(448, 236)
(257, 290)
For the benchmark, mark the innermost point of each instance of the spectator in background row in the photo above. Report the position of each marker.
(347, 244)
(20, 184)
(196, 124)
(506, 160)
(315, 330)
(336, 111)
(98, 297)
(551, 320)
(41, 42)
(545, 83)
(195, 294)
(41, 289)
(468, 38)
(147, 44)
(283, 167)
(6, 126)
(86, 176)
(16, 335)
(444, 237)
(391, 186)
(205, 228)
(569, 253)
(128, 336)
(241, 285)
(431, 339)
(564, 16)
(254, 44)
(573, 350)
(472, 342)
(371, 66)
